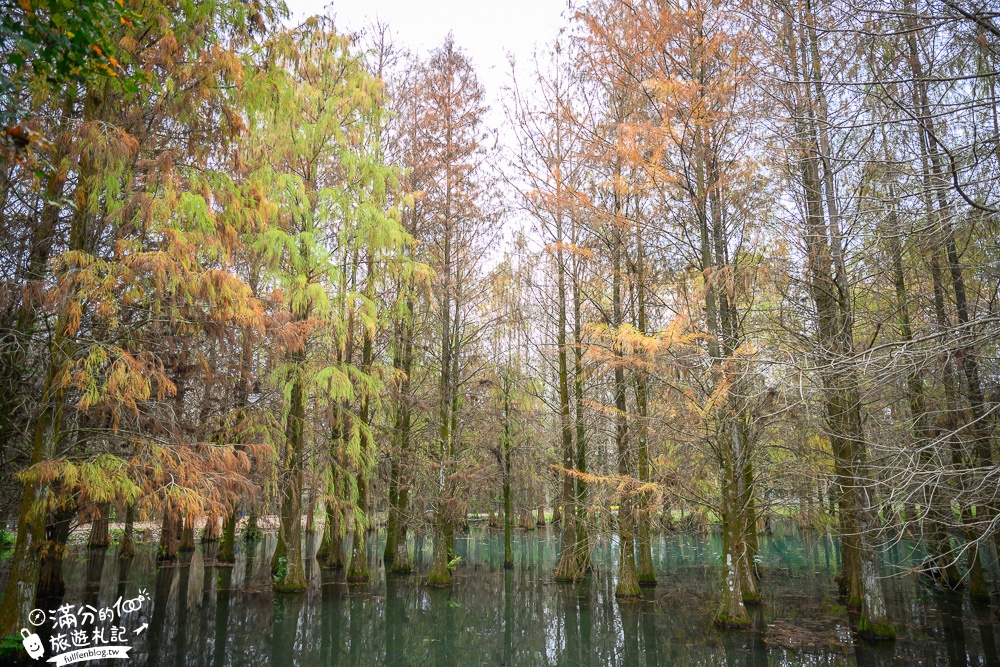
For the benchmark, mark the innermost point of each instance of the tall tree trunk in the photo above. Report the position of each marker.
(508, 509)
(440, 575)
(628, 580)
(358, 570)
(582, 538)
(568, 568)
(401, 560)
(645, 571)
(287, 564)
(828, 285)
(935, 182)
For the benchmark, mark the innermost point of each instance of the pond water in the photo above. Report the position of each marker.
(199, 615)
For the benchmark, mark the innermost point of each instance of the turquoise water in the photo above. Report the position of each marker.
(200, 615)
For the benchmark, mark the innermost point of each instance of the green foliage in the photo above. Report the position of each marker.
(12, 651)
(55, 43)
(876, 631)
(281, 570)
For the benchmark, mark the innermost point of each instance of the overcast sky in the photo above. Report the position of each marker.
(487, 30)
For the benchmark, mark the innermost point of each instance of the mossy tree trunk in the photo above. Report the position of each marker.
(440, 575)
(358, 568)
(227, 544)
(392, 514)
(335, 551)
(401, 562)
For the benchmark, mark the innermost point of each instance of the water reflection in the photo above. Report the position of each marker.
(206, 614)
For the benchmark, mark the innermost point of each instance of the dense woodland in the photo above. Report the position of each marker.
(738, 263)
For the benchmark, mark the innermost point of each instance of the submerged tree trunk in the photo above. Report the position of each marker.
(731, 612)
(227, 545)
(401, 560)
(51, 586)
(169, 536)
(100, 536)
(286, 566)
(358, 569)
(187, 534)
(332, 532)
(440, 575)
(392, 513)
(127, 547)
(212, 531)
(399, 494)
(331, 547)
(508, 510)
(252, 533)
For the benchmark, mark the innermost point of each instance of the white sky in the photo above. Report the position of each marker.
(486, 30)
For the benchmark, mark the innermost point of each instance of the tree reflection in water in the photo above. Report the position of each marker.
(206, 615)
